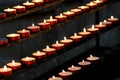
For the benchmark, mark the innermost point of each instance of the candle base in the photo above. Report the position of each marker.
(2, 15)
(38, 3)
(3, 41)
(6, 73)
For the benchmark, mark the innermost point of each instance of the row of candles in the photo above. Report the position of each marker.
(66, 75)
(46, 25)
(22, 8)
(30, 5)
(48, 51)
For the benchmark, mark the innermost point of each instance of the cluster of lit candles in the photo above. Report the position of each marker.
(24, 33)
(29, 5)
(66, 74)
(22, 8)
(59, 45)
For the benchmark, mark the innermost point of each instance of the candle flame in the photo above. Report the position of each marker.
(91, 56)
(91, 3)
(23, 30)
(13, 62)
(97, 0)
(27, 58)
(47, 47)
(93, 26)
(83, 61)
(53, 76)
(51, 17)
(105, 20)
(27, 1)
(100, 23)
(112, 17)
(82, 7)
(75, 34)
(73, 66)
(44, 21)
(57, 42)
(61, 14)
(65, 38)
(5, 68)
(84, 29)
(68, 12)
(33, 24)
(38, 52)
(63, 71)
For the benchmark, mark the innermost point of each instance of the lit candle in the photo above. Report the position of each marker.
(13, 37)
(113, 19)
(14, 65)
(98, 2)
(28, 60)
(52, 21)
(24, 33)
(58, 46)
(74, 69)
(19, 8)
(84, 33)
(76, 11)
(93, 30)
(10, 11)
(38, 2)
(39, 55)
(55, 78)
(2, 15)
(100, 26)
(93, 58)
(107, 23)
(84, 8)
(65, 74)
(33, 28)
(76, 37)
(5, 71)
(92, 5)
(84, 63)
(68, 13)
(49, 51)
(44, 25)
(3, 41)
(66, 41)
(61, 17)
(29, 5)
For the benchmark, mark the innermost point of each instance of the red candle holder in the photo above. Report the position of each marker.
(84, 8)
(29, 5)
(61, 17)
(68, 14)
(55, 78)
(28, 60)
(113, 20)
(49, 51)
(47, 1)
(2, 15)
(76, 38)
(58, 46)
(100, 26)
(107, 23)
(93, 58)
(13, 37)
(65, 74)
(39, 55)
(10, 11)
(84, 64)
(74, 69)
(93, 30)
(66, 41)
(24, 33)
(14, 65)
(76, 11)
(92, 5)
(98, 2)
(5, 71)
(19, 9)
(84, 33)
(33, 28)
(3, 41)
(51, 21)
(38, 2)
(44, 25)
